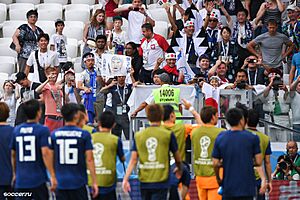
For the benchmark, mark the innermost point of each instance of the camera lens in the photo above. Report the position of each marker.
(283, 165)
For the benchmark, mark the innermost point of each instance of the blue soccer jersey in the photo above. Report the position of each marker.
(27, 141)
(6, 133)
(70, 144)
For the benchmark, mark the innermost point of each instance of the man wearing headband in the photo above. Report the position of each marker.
(25, 38)
(88, 83)
(170, 68)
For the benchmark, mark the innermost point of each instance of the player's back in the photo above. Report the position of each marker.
(70, 144)
(28, 139)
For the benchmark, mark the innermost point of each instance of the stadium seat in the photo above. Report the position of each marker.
(46, 26)
(29, 1)
(7, 2)
(159, 14)
(161, 28)
(6, 40)
(97, 6)
(4, 76)
(77, 67)
(63, 2)
(7, 67)
(77, 15)
(17, 11)
(18, 14)
(7, 59)
(14, 6)
(3, 12)
(9, 27)
(72, 48)
(42, 6)
(50, 11)
(73, 29)
(6, 51)
(77, 7)
(89, 2)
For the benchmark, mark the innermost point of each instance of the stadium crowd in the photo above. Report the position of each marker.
(210, 45)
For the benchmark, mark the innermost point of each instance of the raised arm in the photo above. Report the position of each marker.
(213, 70)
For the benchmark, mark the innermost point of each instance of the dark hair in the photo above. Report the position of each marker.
(244, 110)
(272, 22)
(31, 108)
(204, 56)
(148, 26)
(31, 12)
(188, 11)
(253, 118)
(168, 109)
(20, 76)
(244, 11)
(226, 28)
(132, 44)
(59, 22)
(107, 119)
(241, 71)
(101, 37)
(69, 111)
(81, 108)
(116, 18)
(43, 35)
(234, 116)
(4, 112)
(207, 113)
(154, 112)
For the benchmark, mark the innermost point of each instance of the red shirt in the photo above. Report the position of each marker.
(171, 70)
(109, 8)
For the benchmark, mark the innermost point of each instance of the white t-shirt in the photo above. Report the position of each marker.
(46, 59)
(119, 38)
(60, 42)
(135, 22)
(70, 92)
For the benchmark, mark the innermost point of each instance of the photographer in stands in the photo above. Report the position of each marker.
(288, 165)
(275, 107)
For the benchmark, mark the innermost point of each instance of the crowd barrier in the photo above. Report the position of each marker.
(282, 190)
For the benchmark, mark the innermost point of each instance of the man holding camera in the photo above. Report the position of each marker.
(288, 166)
(274, 105)
(256, 76)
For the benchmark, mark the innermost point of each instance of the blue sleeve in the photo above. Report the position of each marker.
(120, 151)
(173, 144)
(134, 146)
(94, 130)
(256, 147)
(88, 141)
(44, 137)
(12, 144)
(268, 150)
(216, 151)
(294, 60)
(52, 140)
